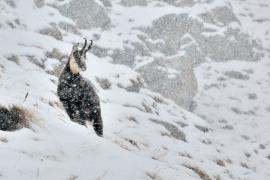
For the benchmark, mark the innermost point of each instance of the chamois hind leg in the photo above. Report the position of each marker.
(91, 112)
(98, 127)
(96, 119)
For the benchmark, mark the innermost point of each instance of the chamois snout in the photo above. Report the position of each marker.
(80, 55)
(83, 68)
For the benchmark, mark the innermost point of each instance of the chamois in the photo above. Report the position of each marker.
(78, 95)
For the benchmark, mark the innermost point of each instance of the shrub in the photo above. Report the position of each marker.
(14, 118)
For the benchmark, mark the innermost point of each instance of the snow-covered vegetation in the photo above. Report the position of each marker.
(184, 89)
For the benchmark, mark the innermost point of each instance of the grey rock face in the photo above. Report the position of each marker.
(171, 34)
(173, 78)
(52, 31)
(86, 14)
(182, 32)
(169, 28)
(127, 56)
(104, 83)
(180, 3)
(181, 40)
(39, 3)
(11, 3)
(14, 58)
(234, 45)
(106, 3)
(57, 54)
(175, 132)
(134, 2)
(99, 51)
(220, 16)
(69, 27)
(236, 75)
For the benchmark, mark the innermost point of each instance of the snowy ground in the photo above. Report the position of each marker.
(234, 96)
(146, 135)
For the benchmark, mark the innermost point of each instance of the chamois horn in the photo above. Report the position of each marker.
(84, 46)
(90, 46)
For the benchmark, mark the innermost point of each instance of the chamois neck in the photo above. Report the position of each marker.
(73, 66)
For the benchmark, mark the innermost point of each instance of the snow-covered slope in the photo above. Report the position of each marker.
(234, 96)
(146, 136)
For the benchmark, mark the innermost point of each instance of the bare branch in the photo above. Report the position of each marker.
(25, 97)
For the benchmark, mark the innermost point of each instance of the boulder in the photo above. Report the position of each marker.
(86, 14)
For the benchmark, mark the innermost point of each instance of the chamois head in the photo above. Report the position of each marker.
(77, 57)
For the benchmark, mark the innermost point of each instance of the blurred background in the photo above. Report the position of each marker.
(184, 88)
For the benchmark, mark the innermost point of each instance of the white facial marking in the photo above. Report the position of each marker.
(82, 58)
(73, 66)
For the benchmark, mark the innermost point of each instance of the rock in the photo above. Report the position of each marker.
(135, 85)
(182, 32)
(52, 31)
(173, 78)
(202, 128)
(174, 130)
(104, 83)
(220, 16)
(55, 53)
(252, 96)
(68, 27)
(181, 3)
(134, 3)
(86, 14)
(39, 3)
(236, 75)
(11, 3)
(106, 3)
(14, 58)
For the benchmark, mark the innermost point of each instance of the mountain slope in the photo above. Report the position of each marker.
(146, 136)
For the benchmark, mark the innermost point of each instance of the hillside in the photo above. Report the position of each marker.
(184, 89)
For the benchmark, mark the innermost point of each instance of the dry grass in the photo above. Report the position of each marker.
(244, 165)
(220, 162)
(73, 177)
(203, 175)
(185, 154)
(153, 176)
(3, 140)
(14, 118)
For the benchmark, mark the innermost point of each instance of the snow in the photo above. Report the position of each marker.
(146, 136)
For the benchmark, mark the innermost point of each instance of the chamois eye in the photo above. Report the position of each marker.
(76, 55)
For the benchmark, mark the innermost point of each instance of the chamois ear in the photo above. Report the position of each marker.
(75, 47)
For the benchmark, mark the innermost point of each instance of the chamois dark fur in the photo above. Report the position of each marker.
(78, 95)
